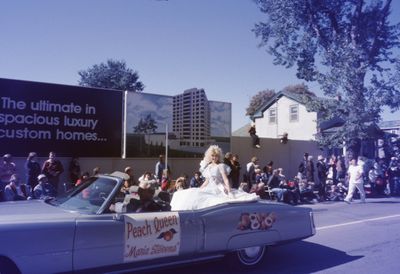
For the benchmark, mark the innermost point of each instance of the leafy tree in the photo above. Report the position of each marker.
(146, 126)
(258, 100)
(300, 89)
(347, 46)
(265, 95)
(113, 75)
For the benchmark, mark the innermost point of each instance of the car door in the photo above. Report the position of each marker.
(99, 241)
(134, 239)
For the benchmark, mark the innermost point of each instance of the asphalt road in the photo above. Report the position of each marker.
(356, 238)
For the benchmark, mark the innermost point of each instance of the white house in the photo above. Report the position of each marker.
(390, 126)
(285, 112)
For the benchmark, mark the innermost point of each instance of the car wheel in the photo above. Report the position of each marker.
(247, 257)
(8, 267)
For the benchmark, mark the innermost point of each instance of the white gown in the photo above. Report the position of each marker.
(212, 194)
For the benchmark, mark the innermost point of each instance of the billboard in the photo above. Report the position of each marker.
(69, 120)
(189, 120)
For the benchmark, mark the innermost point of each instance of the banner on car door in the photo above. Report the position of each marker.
(151, 235)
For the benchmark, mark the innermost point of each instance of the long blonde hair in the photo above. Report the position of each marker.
(213, 149)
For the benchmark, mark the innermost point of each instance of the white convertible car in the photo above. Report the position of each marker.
(78, 233)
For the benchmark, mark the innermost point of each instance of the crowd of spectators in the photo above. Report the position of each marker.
(325, 180)
(42, 181)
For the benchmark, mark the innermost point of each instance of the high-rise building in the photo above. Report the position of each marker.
(191, 118)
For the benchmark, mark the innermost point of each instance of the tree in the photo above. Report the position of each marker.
(258, 100)
(300, 89)
(264, 96)
(347, 46)
(146, 126)
(113, 75)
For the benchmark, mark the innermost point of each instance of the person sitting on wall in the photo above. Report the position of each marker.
(254, 136)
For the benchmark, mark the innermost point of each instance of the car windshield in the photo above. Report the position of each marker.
(88, 197)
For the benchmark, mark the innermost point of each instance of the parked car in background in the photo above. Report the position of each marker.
(77, 232)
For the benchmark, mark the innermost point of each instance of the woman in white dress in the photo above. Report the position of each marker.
(215, 189)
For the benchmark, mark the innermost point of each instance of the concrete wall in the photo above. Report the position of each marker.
(108, 165)
(303, 129)
(287, 156)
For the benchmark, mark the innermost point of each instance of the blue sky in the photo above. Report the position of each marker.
(174, 45)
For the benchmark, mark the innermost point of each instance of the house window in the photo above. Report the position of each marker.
(272, 116)
(294, 113)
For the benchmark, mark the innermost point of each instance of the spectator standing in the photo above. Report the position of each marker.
(196, 180)
(376, 179)
(302, 167)
(7, 168)
(160, 166)
(235, 173)
(254, 137)
(340, 169)
(53, 168)
(332, 171)
(250, 171)
(44, 188)
(310, 169)
(74, 170)
(321, 173)
(393, 172)
(33, 169)
(355, 173)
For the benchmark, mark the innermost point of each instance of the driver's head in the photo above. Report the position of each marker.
(146, 190)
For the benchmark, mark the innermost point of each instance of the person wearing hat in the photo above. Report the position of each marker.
(12, 191)
(130, 182)
(322, 171)
(44, 188)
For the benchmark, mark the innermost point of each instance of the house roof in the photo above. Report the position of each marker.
(260, 111)
(335, 124)
(389, 124)
(242, 131)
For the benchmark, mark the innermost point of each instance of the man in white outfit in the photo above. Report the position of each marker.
(355, 173)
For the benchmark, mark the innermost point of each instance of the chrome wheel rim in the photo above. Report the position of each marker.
(251, 255)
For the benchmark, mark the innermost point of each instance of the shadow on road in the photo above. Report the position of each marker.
(383, 202)
(299, 257)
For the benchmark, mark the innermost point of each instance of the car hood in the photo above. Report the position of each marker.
(36, 210)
